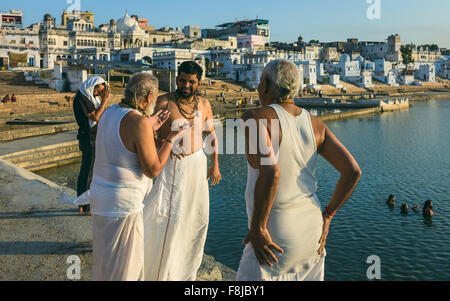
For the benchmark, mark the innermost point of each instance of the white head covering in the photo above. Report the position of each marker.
(87, 89)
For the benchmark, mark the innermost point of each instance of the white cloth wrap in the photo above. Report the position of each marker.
(118, 248)
(295, 221)
(87, 89)
(176, 217)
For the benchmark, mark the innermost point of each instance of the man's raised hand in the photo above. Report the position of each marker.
(159, 119)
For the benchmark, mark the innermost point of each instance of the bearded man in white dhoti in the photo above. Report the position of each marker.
(126, 160)
(288, 231)
(176, 213)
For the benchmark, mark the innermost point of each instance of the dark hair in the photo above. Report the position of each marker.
(102, 84)
(191, 67)
(427, 205)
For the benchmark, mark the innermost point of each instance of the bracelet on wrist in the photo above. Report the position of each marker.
(167, 140)
(328, 213)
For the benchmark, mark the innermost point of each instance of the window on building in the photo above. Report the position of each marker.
(22, 41)
(12, 42)
(65, 43)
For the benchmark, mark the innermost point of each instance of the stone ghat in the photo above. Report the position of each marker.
(38, 233)
(36, 131)
(43, 105)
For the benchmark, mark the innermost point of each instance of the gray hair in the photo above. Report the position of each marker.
(139, 86)
(284, 77)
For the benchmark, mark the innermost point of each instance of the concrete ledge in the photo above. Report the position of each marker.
(38, 232)
(352, 114)
(37, 131)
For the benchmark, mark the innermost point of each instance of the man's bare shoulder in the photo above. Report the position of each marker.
(163, 100)
(317, 123)
(134, 122)
(259, 113)
(204, 102)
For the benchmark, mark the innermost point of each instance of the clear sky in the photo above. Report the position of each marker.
(417, 21)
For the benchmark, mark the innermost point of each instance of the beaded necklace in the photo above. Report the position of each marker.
(183, 112)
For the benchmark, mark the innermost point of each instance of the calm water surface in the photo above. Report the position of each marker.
(405, 153)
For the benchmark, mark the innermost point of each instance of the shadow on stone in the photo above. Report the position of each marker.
(44, 248)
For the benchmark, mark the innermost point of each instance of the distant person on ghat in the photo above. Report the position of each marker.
(89, 104)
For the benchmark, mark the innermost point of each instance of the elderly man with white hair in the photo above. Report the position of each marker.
(288, 231)
(126, 160)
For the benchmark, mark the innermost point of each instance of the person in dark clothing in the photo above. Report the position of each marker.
(13, 98)
(89, 104)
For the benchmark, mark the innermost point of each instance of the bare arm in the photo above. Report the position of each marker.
(340, 158)
(97, 114)
(140, 131)
(214, 170)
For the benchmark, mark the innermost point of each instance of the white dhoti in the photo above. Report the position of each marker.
(295, 220)
(297, 230)
(118, 249)
(176, 217)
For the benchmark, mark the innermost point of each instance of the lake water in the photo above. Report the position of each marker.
(405, 153)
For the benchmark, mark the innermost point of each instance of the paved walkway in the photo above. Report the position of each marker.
(38, 233)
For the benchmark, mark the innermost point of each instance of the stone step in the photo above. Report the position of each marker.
(41, 155)
(36, 131)
(56, 160)
(40, 149)
(21, 113)
(55, 164)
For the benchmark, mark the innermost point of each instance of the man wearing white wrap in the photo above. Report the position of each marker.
(287, 230)
(176, 213)
(126, 160)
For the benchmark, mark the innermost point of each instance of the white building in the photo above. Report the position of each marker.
(193, 32)
(404, 79)
(11, 18)
(426, 73)
(252, 64)
(20, 46)
(250, 41)
(348, 68)
(309, 70)
(385, 72)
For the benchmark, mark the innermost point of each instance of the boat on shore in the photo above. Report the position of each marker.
(331, 103)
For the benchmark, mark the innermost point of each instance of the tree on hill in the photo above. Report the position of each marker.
(432, 47)
(407, 57)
